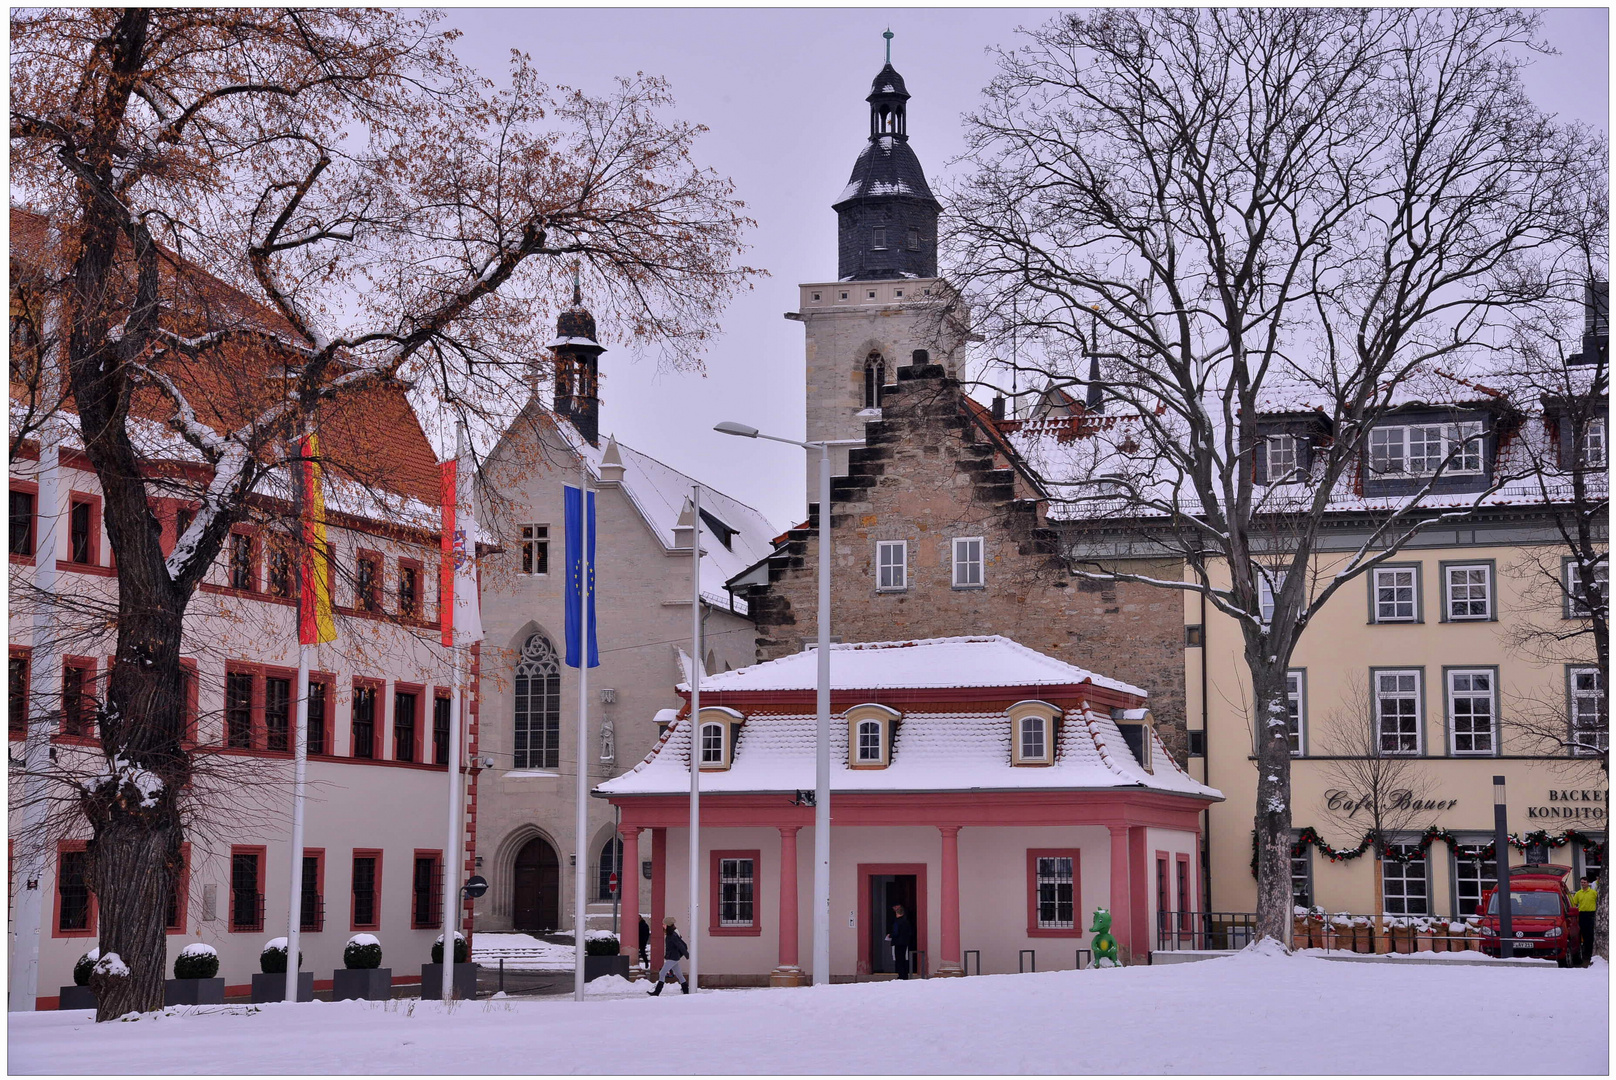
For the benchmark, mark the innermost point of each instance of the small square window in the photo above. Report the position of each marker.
(1469, 591)
(967, 562)
(816, 297)
(535, 549)
(898, 293)
(844, 294)
(869, 294)
(892, 565)
(1396, 595)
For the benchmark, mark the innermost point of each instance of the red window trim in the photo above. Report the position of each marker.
(405, 563)
(443, 693)
(318, 854)
(329, 681)
(419, 691)
(182, 890)
(436, 855)
(1185, 883)
(1033, 929)
(92, 669)
(379, 585)
(254, 559)
(255, 737)
(27, 487)
(378, 723)
(26, 653)
(1164, 885)
(62, 848)
(94, 502)
(192, 691)
(290, 675)
(366, 853)
(713, 928)
(230, 921)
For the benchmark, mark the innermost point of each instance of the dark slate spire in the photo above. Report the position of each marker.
(886, 216)
(577, 367)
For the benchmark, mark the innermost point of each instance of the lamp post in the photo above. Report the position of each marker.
(1506, 928)
(821, 962)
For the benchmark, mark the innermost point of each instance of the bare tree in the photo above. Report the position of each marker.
(379, 217)
(1232, 213)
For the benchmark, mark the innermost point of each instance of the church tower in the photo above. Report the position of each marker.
(577, 368)
(888, 308)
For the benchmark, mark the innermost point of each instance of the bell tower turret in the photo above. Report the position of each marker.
(577, 367)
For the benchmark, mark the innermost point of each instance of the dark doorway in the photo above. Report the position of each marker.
(886, 890)
(536, 887)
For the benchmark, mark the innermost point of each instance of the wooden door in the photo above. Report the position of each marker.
(536, 887)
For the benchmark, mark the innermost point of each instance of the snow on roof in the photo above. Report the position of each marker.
(933, 663)
(931, 751)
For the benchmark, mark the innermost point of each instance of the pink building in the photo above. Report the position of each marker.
(999, 794)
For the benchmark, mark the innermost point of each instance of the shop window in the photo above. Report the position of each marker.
(892, 565)
(238, 710)
(1052, 881)
(1469, 592)
(277, 713)
(1590, 862)
(1473, 875)
(442, 709)
(537, 713)
(364, 722)
(1396, 594)
(22, 523)
(311, 910)
(367, 875)
(75, 907)
(1590, 722)
(404, 703)
(1397, 711)
(246, 889)
(1404, 884)
(426, 891)
(967, 562)
(1301, 874)
(1472, 710)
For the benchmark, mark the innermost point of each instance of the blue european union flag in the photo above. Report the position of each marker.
(580, 515)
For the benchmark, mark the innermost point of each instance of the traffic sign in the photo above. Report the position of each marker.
(611, 882)
(475, 886)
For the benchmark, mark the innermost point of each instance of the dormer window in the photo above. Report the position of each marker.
(869, 736)
(1283, 461)
(715, 737)
(1397, 450)
(1033, 732)
(1137, 728)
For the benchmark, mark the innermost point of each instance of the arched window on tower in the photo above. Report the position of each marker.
(538, 706)
(611, 862)
(875, 377)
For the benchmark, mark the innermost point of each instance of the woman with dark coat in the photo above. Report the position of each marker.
(645, 942)
(674, 950)
(902, 936)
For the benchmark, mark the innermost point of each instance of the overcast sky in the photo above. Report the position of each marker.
(783, 94)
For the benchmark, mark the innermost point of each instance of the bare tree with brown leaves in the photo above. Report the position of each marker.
(379, 216)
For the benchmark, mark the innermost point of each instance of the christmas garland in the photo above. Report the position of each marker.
(1310, 835)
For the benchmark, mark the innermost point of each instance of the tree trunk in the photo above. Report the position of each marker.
(1602, 907)
(1273, 812)
(133, 863)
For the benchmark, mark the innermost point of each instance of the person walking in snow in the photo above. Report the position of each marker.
(645, 942)
(674, 950)
(902, 936)
(1586, 901)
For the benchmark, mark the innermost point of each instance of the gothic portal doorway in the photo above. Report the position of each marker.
(536, 887)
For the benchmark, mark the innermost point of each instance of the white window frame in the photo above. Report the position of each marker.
(1414, 594)
(1457, 694)
(1282, 459)
(1022, 732)
(731, 874)
(898, 580)
(1052, 876)
(1470, 878)
(965, 566)
(1448, 596)
(859, 756)
(1402, 874)
(723, 738)
(1593, 450)
(1267, 585)
(878, 238)
(532, 537)
(1296, 710)
(1584, 693)
(1575, 607)
(1381, 696)
(1413, 450)
(1301, 858)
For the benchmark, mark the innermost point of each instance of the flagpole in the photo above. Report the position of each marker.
(456, 541)
(695, 731)
(300, 761)
(580, 858)
(451, 850)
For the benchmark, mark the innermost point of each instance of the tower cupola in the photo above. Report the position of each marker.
(577, 367)
(887, 216)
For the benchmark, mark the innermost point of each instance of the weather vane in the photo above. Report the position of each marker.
(888, 36)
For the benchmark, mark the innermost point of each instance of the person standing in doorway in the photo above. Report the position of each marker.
(674, 950)
(902, 937)
(1586, 901)
(645, 943)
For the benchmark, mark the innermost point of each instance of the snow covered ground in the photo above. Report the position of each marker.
(522, 952)
(1247, 1013)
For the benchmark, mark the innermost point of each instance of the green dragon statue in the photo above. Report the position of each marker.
(1104, 945)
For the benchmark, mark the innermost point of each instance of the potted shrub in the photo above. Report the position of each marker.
(362, 975)
(1363, 935)
(601, 957)
(465, 972)
(79, 995)
(196, 977)
(270, 982)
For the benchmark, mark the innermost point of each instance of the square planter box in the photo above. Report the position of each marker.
(465, 982)
(367, 984)
(77, 997)
(267, 988)
(193, 991)
(596, 966)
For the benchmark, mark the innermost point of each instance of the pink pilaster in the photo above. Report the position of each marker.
(1140, 933)
(789, 972)
(628, 942)
(950, 964)
(1121, 903)
(659, 893)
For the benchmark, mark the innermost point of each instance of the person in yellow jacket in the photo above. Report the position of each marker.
(1586, 899)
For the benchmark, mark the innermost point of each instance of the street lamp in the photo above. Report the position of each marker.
(822, 748)
(1506, 927)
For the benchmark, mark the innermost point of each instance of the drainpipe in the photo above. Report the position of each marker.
(1206, 761)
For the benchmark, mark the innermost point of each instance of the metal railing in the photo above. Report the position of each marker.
(1210, 930)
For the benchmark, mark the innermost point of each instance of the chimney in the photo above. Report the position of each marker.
(1595, 324)
(998, 407)
(919, 358)
(611, 463)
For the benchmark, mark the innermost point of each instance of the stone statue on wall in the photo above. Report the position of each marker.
(608, 741)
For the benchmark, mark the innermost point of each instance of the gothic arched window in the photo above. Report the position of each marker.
(875, 377)
(538, 706)
(611, 861)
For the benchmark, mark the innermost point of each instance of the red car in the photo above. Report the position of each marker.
(1542, 920)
